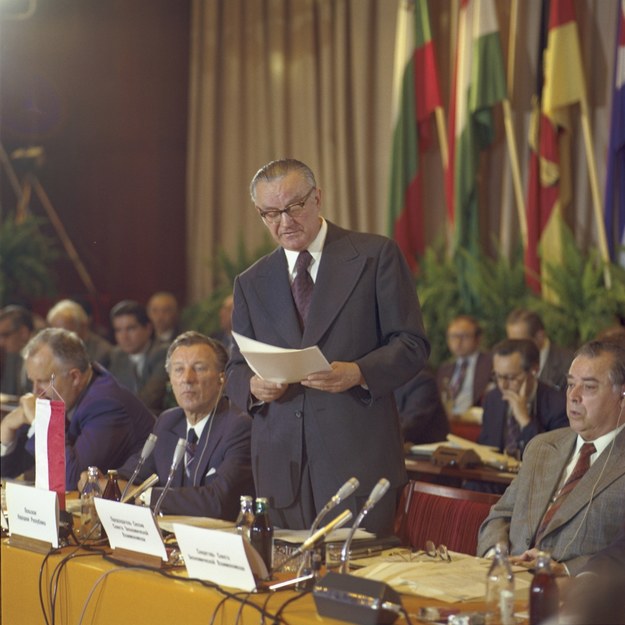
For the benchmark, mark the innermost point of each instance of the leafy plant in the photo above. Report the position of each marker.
(204, 315)
(26, 256)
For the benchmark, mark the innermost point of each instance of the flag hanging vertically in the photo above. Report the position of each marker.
(479, 83)
(615, 178)
(50, 447)
(549, 180)
(416, 95)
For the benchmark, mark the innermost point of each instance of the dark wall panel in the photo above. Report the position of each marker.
(103, 87)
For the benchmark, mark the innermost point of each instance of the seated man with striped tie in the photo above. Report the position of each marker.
(216, 469)
(568, 497)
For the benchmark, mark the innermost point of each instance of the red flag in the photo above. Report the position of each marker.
(549, 189)
(50, 447)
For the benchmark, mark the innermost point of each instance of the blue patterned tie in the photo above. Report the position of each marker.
(302, 286)
(190, 451)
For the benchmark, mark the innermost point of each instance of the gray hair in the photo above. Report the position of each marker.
(279, 169)
(187, 339)
(66, 347)
(594, 349)
(68, 308)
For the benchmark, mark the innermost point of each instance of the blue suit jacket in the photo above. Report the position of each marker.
(550, 414)
(108, 424)
(364, 309)
(222, 470)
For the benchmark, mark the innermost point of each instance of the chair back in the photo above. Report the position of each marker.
(442, 514)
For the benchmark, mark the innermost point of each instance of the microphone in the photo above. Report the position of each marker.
(345, 491)
(148, 448)
(312, 540)
(378, 491)
(181, 447)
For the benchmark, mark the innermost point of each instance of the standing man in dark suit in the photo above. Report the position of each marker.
(554, 360)
(309, 438)
(521, 406)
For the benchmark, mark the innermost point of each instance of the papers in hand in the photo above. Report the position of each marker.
(277, 364)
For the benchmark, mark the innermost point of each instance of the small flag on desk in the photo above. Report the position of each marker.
(50, 447)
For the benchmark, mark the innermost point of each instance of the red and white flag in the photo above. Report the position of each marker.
(50, 447)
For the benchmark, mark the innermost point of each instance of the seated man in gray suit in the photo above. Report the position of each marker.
(138, 359)
(568, 496)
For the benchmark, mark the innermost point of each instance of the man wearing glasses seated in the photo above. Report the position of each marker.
(521, 405)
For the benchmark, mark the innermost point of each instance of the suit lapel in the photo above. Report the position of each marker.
(209, 440)
(595, 481)
(179, 430)
(340, 269)
(274, 293)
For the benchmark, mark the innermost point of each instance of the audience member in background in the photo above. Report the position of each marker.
(71, 316)
(224, 334)
(138, 359)
(464, 380)
(105, 422)
(162, 311)
(421, 412)
(521, 405)
(568, 496)
(217, 468)
(16, 328)
(554, 361)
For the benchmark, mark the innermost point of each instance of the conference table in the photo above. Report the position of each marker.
(91, 589)
(419, 468)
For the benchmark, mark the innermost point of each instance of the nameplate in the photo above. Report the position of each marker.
(225, 558)
(33, 513)
(130, 528)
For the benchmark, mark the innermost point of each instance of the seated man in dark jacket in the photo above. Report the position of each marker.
(106, 422)
(216, 469)
(521, 406)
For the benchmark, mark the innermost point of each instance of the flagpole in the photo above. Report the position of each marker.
(442, 135)
(596, 194)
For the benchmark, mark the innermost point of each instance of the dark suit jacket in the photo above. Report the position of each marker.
(151, 386)
(550, 415)
(481, 380)
(107, 425)
(222, 470)
(556, 366)
(579, 529)
(421, 412)
(364, 309)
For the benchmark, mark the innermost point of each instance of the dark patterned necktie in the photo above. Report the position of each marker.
(302, 286)
(190, 451)
(512, 432)
(581, 467)
(457, 379)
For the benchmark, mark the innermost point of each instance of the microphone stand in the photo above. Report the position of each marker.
(376, 494)
(148, 447)
(178, 454)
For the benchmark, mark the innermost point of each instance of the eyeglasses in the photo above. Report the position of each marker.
(502, 377)
(292, 210)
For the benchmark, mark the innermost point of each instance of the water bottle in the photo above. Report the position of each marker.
(500, 589)
(544, 595)
(246, 516)
(261, 532)
(90, 528)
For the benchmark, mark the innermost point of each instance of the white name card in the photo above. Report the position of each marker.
(33, 513)
(225, 558)
(131, 527)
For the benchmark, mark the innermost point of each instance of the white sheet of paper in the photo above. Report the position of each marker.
(297, 537)
(33, 512)
(220, 557)
(277, 364)
(131, 527)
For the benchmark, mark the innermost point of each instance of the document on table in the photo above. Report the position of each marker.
(278, 364)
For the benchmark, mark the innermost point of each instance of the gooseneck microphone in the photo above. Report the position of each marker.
(341, 494)
(181, 447)
(148, 448)
(378, 491)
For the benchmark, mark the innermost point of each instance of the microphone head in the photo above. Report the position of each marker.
(378, 491)
(181, 447)
(148, 446)
(347, 489)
